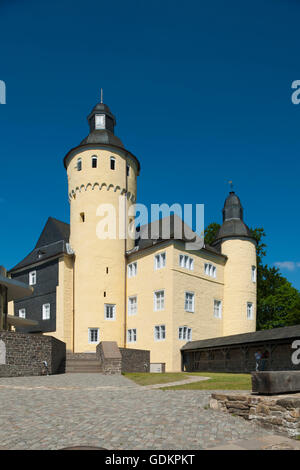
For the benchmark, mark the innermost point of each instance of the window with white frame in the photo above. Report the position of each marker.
(253, 273)
(32, 278)
(46, 312)
(132, 269)
(159, 300)
(210, 270)
(131, 335)
(79, 164)
(249, 310)
(132, 305)
(189, 302)
(93, 335)
(22, 313)
(186, 262)
(110, 311)
(217, 309)
(159, 332)
(185, 333)
(160, 260)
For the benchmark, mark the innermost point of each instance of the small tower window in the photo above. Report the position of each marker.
(127, 170)
(79, 164)
(94, 161)
(82, 217)
(112, 163)
(249, 311)
(253, 273)
(32, 278)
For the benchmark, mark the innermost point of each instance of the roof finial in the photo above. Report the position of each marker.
(231, 185)
(101, 101)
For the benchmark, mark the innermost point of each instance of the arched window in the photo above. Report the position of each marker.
(112, 163)
(94, 161)
(79, 164)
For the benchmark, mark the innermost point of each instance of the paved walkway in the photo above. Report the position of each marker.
(113, 412)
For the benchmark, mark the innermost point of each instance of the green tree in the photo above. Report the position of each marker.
(278, 302)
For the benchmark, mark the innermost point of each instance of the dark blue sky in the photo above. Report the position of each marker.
(201, 92)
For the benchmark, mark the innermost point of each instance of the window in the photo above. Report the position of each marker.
(131, 335)
(127, 170)
(110, 311)
(32, 278)
(112, 163)
(159, 332)
(22, 313)
(79, 164)
(160, 260)
(186, 262)
(82, 217)
(185, 333)
(46, 312)
(217, 309)
(132, 305)
(93, 335)
(159, 300)
(94, 161)
(189, 302)
(132, 269)
(210, 270)
(249, 311)
(253, 273)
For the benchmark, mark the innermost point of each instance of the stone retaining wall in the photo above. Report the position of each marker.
(23, 354)
(280, 413)
(135, 360)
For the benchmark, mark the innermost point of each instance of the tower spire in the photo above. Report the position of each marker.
(101, 96)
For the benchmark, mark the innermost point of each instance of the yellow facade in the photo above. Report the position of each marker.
(100, 264)
(175, 281)
(239, 288)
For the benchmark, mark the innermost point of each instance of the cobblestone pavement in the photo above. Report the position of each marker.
(111, 412)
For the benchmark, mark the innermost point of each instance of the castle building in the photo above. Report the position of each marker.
(149, 293)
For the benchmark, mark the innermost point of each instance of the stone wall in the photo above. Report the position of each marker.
(135, 360)
(279, 413)
(24, 354)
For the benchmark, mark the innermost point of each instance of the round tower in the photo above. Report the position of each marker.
(236, 242)
(102, 181)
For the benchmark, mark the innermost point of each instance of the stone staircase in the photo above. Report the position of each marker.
(82, 363)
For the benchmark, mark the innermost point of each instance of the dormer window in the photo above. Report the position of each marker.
(79, 164)
(100, 121)
(32, 278)
(94, 161)
(112, 163)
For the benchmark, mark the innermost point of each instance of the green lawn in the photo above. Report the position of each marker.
(217, 381)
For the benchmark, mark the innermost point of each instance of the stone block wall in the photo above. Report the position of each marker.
(279, 413)
(135, 360)
(24, 354)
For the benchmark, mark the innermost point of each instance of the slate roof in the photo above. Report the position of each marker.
(52, 242)
(287, 332)
(155, 233)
